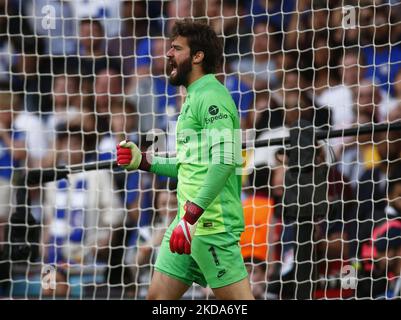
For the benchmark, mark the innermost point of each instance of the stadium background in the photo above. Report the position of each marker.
(78, 76)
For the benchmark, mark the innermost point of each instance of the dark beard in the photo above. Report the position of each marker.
(183, 70)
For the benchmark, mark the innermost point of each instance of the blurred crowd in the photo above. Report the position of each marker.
(77, 77)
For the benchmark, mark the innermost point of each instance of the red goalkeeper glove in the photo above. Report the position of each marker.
(181, 238)
(130, 157)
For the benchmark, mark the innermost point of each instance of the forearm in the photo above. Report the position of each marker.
(215, 180)
(131, 158)
(220, 168)
(164, 166)
(214, 183)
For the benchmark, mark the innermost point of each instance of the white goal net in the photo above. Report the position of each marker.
(78, 76)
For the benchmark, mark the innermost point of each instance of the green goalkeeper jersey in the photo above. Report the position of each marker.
(208, 132)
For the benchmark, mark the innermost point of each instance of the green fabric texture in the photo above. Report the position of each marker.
(215, 180)
(215, 260)
(164, 167)
(206, 132)
(208, 164)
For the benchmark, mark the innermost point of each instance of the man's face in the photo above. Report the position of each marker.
(179, 62)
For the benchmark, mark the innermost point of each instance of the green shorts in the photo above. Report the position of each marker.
(215, 260)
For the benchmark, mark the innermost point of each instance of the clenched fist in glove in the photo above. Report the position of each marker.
(181, 238)
(130, 157)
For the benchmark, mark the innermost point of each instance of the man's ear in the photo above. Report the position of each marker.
(198, 57)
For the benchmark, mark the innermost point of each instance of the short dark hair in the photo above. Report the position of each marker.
(201, 37)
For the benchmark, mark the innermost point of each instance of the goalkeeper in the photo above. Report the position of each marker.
(202, 243)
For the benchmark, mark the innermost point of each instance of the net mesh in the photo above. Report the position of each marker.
(77, 77)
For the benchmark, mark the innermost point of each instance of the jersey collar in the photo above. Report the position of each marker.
(196, 84)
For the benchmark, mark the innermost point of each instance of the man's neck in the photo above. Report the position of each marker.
(193, 76)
